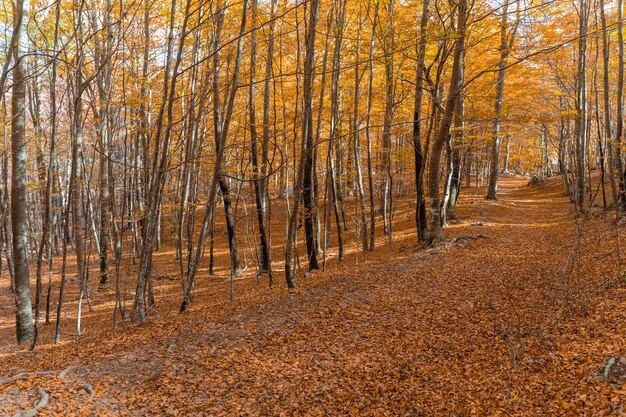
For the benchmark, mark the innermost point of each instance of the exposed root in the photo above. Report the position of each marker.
(66, 371)
(459, 241)
(167, 277)
(88, 389)
(23, 375)
(536, 180)
(44, 399)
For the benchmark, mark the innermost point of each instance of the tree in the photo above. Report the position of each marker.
(19, 219)
(581, 106)
(307, 136)
(421, 222)
(506, 43)
(456, 85)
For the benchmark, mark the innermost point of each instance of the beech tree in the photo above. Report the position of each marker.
(456, 85)
(19, 219)
(507, 39)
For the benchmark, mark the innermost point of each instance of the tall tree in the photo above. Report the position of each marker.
(619, 124)
(606, 92)
(506, 43)
(356, 122)
(388, 42)
(307, 138)
(104, 66)
(581, 105)
(335, 135)
(421, 222)
(221, 125)
(19, 219)
(260, 169)
(456, 85)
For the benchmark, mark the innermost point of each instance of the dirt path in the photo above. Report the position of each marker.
(501, 319)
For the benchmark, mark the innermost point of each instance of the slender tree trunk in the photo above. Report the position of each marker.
(160, 159)
(78, 215)
(457, 146)
(357, 137)
(308, 193)
(52, 163)
(492, 188)
(65, 244)
(102, 54)
(581, 107)
(507, 151)
(46, 235)
(221, 122)
(606, 92)
(368, 132)
(221, 127)
(335, 132)
(386, 190)
(619, 125)
(421, 222)
(263, 181)
(307, 136)
(318, 130)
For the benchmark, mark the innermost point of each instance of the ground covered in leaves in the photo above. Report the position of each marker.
(515, 313)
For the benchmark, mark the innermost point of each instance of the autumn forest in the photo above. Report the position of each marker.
(312, 207)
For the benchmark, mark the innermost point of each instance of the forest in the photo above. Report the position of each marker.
(312, 207)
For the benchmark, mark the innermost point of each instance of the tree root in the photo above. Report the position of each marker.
(44, 399)
(88, 389)
(67, 370)
(167, 277)
(23, 375)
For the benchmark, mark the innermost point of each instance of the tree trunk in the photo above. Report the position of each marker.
(221, 127)
(388, 49)
(421, 222)
(334, 148)
(457, 149)
(263, 181)
(368, 133)
(357, 137)
(615, 148)
(492, 188)
(19, 219)
(307, 136)
(446, 122)
(606, 92)
(581, 107)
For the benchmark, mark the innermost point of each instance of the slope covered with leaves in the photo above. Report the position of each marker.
(511, 315)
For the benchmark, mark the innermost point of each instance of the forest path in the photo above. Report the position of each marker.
(496, 320)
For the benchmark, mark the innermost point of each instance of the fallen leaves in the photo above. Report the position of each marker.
(490, 326)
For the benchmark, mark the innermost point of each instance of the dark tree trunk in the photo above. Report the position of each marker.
(446, 122)
(307, 137)
(421, 221)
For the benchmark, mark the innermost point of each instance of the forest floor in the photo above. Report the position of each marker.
(513, 314)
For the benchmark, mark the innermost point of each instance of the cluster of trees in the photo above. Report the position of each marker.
(127, 116)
